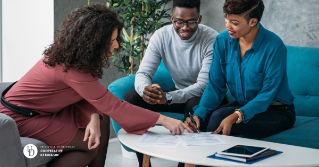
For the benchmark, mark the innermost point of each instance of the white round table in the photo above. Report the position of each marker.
(292, 156)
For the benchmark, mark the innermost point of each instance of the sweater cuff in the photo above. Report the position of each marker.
(201, 112)
(141, 88)
(177, 96)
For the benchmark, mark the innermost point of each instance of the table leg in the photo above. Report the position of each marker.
(146, 160)
(189, 165)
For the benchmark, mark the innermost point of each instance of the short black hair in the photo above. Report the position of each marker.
(250, 8)
(187, 4)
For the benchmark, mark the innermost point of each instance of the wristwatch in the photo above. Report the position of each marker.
(168, 98)
(240, 116)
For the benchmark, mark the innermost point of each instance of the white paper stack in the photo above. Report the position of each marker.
(200, 139)
(149, 139)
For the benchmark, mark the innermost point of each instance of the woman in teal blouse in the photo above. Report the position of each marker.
(251, 60)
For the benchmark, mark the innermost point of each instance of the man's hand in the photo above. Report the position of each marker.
(163, 99)
(153, 94)
(93, 132)
(226, 124)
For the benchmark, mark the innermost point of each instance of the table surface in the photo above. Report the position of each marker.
(291, 156)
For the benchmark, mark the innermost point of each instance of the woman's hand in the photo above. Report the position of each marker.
(93, 131)
(190, 124)
(226, 124)
(176, 127)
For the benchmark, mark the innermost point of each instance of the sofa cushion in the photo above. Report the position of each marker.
(173, 115)
(303, 72)
(301, 120)
(4, 85)
(304, 133)
(37, 160)
(163, 78)
(10, 143)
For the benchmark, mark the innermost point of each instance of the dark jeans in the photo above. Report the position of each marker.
(275, 119)
(183, 108)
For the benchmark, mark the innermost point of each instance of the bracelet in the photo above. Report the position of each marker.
(240, 114)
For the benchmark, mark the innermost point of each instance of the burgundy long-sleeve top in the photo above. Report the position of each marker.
(65, 102)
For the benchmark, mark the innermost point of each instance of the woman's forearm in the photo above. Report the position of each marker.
(95, 116)
(161, 119)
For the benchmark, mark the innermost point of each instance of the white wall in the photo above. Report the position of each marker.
(27, 28)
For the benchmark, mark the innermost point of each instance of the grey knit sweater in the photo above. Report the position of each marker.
(188, 61)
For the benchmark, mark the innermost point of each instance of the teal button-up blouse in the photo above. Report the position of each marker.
(257, 81)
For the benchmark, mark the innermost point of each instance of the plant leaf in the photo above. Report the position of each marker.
(138, 48)
(136, 14)
(148, 8)
(136, 36)
(126, 35)
(145, 23)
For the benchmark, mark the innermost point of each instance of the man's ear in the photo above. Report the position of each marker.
(172, 17)
(200, 19)
(253, 22)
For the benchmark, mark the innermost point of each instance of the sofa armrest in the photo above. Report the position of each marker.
(121, 86)
(162, 77)
(11, 151)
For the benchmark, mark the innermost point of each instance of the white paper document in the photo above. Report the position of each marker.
(200, 139)
(149, 139)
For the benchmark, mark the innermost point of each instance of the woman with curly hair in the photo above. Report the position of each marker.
(252, 61)
(63, 89)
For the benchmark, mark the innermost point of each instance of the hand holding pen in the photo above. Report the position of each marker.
(189, 121)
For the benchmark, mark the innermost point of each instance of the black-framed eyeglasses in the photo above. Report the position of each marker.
(190, 24)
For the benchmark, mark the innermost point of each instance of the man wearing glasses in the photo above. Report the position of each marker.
(186, 48)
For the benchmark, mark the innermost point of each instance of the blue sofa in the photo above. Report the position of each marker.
(303, 76)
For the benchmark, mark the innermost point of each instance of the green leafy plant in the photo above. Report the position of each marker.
(142, 18)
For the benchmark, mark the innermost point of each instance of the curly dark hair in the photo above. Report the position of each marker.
(187, 4)
(84, 39)
(248, 8)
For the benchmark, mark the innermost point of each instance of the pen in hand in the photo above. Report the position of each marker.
(190, 115)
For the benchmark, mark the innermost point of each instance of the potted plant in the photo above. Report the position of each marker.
(141, 18)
